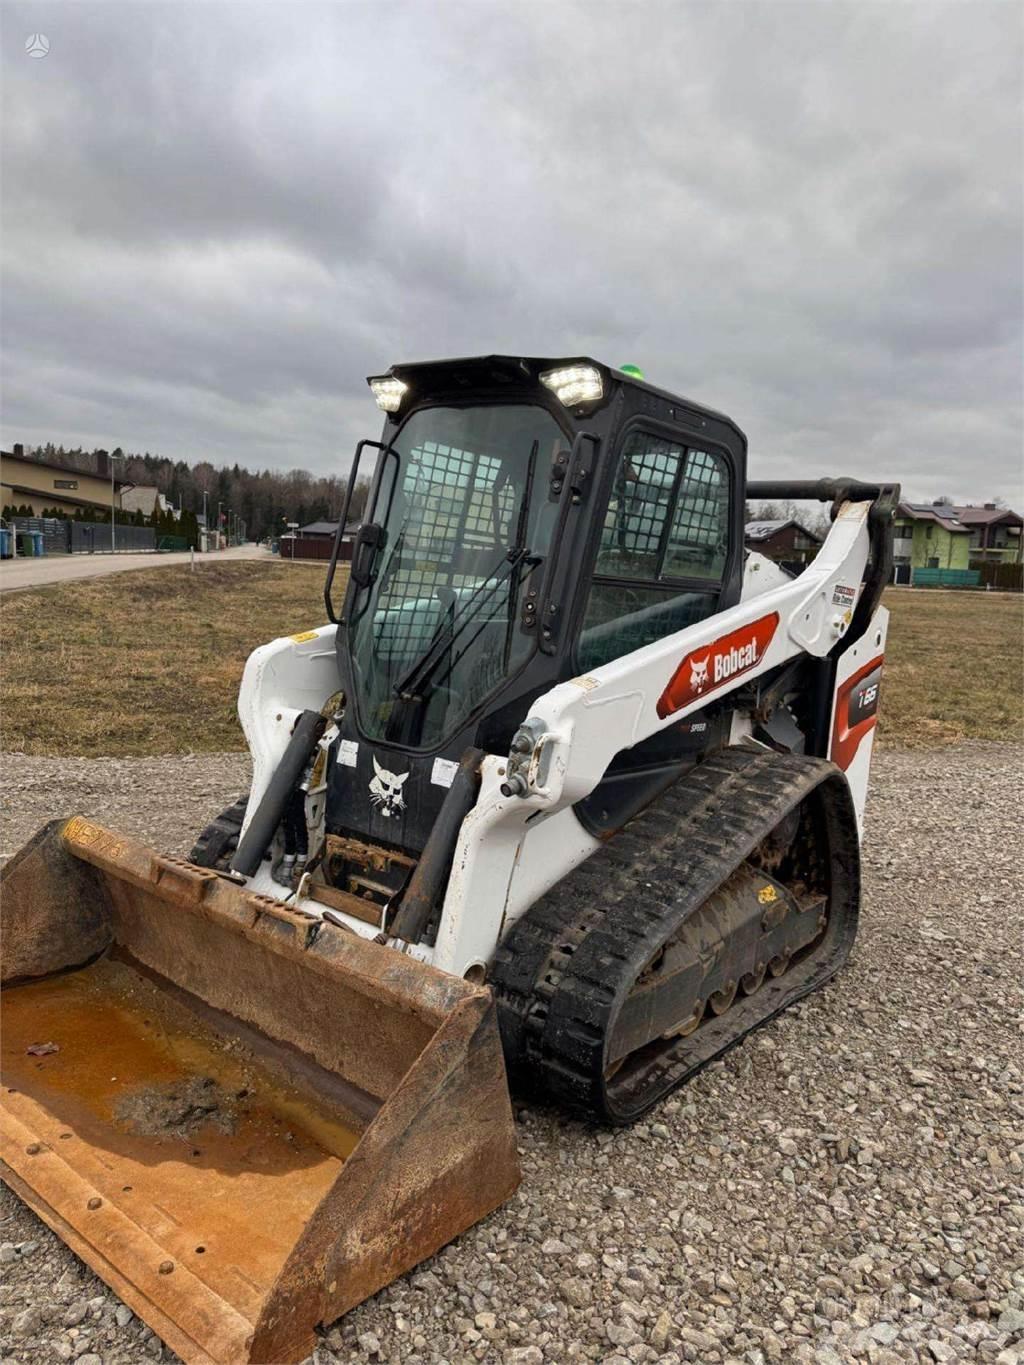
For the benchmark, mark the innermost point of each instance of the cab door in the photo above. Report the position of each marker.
(666, 557)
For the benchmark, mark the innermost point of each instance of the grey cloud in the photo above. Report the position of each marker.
(219, 218)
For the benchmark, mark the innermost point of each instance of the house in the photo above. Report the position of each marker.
(929, 535)
(995, 533)
(787, 542)
(316, 541)
(145, 498)
(25, 482)
(324, 529)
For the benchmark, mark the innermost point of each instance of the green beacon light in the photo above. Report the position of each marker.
(634, 371)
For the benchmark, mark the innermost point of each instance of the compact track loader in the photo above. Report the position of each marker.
(571, 785)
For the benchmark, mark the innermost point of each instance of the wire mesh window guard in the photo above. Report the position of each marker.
(667, 518)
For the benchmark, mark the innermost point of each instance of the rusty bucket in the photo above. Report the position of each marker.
(246, 1120)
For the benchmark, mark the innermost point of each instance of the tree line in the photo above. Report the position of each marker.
(265, 500)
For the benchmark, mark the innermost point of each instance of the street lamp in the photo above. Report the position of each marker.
(113, 515)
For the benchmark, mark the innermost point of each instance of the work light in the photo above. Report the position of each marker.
(388, 391)
(574, 384)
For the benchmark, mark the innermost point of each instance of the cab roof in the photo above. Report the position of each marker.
(493, 372)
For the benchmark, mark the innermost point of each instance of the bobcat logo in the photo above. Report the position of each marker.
(386, 790)
(699, 673)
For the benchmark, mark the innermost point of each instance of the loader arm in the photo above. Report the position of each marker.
(578, 727)
(573, 732)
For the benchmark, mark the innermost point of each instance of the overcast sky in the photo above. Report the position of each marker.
(219, 218)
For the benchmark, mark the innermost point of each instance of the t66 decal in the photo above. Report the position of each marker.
(856, 712)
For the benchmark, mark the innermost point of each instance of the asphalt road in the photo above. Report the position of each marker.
(17, 574)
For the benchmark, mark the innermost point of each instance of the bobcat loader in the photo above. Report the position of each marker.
(571, 784)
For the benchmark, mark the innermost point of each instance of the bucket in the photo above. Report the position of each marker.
(244, 1118)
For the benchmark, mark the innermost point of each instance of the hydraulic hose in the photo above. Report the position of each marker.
(431, 872)
(263, 825)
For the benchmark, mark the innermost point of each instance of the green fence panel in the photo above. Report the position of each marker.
(946, 578)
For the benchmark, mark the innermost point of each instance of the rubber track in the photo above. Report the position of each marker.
(567, 964)
(213, 847)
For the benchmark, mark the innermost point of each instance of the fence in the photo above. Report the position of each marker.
(946, 578)
(52, 529)
(1005, 577)
(88, 537)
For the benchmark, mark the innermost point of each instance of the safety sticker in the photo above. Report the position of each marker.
(843, 596)
(442, 774)
(348, 753)
(588, 684)
(303, 636)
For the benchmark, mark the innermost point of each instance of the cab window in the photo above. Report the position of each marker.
(663, 549)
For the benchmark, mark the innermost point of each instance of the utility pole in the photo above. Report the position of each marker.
(206, 523)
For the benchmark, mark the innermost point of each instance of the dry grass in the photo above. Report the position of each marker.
(954, 668)
(150, 662)
(143, 662)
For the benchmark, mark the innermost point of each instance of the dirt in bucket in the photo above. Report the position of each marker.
(180, 1109)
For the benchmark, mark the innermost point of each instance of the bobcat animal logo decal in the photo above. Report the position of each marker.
(386, 790)
(699, 673)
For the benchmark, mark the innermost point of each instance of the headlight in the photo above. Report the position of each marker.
(388, 392)
(574, 384)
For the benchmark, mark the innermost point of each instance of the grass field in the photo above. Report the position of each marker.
(143, 662)
(150, 662)
(954, 667)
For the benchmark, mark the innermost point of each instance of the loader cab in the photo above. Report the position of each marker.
(529, 520)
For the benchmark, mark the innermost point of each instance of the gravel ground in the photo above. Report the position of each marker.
(848, 1185)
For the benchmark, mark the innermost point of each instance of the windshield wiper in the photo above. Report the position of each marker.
(447, 633)
(423, 670)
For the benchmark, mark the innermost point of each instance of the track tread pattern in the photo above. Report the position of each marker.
(217, 842)
(568, 963)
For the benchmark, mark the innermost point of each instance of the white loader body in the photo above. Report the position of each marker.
(512, 849)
